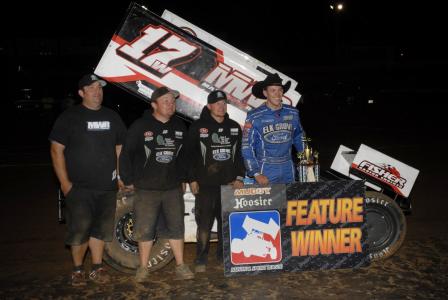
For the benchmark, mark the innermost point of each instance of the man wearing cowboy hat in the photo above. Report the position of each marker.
(269, 133)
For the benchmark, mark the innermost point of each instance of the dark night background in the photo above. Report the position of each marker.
(391, 52)
(372, 73)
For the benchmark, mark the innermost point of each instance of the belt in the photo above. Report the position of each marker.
(275, 160)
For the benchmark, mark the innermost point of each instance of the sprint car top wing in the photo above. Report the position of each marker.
(148, 51)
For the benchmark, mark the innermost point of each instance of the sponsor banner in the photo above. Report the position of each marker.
(148, 51)
(384, 170)
(305, 226)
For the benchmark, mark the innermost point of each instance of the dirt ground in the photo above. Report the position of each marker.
(36, 265)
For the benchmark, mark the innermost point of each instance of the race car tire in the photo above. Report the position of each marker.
(122, 252)
(386, 226)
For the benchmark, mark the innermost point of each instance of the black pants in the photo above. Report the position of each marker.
(207, 208)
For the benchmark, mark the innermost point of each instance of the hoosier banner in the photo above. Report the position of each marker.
(147, 52)
(306, 226)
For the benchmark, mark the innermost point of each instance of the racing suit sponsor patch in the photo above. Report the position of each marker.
(278, 137)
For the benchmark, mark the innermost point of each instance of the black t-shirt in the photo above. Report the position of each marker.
(153, 156)
(90, 137)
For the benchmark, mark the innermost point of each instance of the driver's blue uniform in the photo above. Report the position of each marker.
(268, 137)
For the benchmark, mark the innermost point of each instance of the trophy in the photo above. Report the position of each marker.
(308, 166)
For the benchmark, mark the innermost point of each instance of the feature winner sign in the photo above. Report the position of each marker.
(305, 226)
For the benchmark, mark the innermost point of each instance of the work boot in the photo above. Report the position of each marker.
(78, 278)
(183, 272)
(142, 274)
(99, 276)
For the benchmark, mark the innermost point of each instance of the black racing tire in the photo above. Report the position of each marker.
(386, 226)
(122, 253)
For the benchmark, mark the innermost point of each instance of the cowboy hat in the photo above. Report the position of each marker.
(271, 79)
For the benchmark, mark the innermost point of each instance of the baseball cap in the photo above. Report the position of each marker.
(88, 79)
(215, 96)
(163, 90)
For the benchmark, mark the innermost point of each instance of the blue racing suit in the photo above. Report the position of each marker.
(268, 136)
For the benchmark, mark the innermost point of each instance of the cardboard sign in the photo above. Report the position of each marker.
(305, 226)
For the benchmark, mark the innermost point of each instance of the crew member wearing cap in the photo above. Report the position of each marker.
(153, 164)
(85, 144)
(269, 133)
(214, 153)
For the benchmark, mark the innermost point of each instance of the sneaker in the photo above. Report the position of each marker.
(200, 268)
(183, 272)
(99, 276)
(142, 274)
(79, 278)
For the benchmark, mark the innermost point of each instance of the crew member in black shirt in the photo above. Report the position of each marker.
(153, 164)
(85, 144)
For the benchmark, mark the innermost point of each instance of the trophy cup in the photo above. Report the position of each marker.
(308, 166)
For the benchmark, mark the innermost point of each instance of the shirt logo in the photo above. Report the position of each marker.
(149, 136)
(178, 134)
(164, 157)
(221, 154)
(222, 140)
(98, 125)
(167, 142)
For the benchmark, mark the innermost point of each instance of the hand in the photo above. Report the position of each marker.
(237, 184)
(66, 187)
(194, 187)
(262, 180)
(121, 185)
(129, 188)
